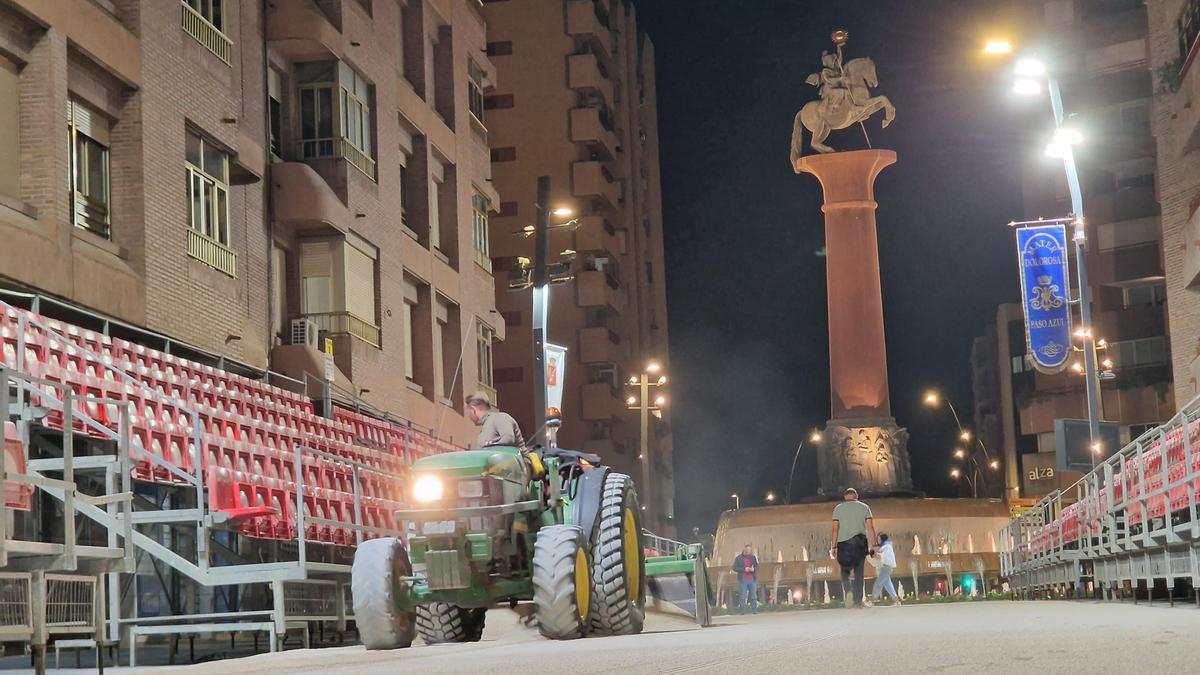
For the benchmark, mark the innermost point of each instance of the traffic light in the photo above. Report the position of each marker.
(968, 583)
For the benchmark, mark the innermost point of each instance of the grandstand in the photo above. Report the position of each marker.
(1126, 529)
(225, 494)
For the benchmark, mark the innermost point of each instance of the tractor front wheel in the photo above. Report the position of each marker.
(440, 622)
(618, 561)
(562, 582)
(380, 565)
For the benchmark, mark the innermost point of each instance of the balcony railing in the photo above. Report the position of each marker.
(212, 253)
(321, 148)
(345, 323)
(91, 216)
(206, 34)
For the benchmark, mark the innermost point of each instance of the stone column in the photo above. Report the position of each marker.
(863, 447)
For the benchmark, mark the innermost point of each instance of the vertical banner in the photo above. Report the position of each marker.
(556, 373)
(1045, 287)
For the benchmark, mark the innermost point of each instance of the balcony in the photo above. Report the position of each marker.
(597, 289)
(304, 202)
(599, 345)
(1129, 263)
(1132, 203)
(1132, 323)
(593, 128)
(600, 402)
(593, 180)
(595, 233)
(205, 33)
(586, 74)
(212, 253)
(345, 323)
(324, 148)
(584, 20)
(1191, 256)
(300, 31)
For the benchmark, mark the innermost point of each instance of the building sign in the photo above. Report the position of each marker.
(556, 374)
(1045, 285)
(1073, 444)
(1039, 474)
(330, 368)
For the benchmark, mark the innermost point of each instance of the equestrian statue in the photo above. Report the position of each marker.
(845, 99)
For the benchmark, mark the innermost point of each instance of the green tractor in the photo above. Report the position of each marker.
(502, 526)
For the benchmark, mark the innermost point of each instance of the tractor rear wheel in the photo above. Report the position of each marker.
(440, 622)
(562, 582)
(618, 561)
(379, 566)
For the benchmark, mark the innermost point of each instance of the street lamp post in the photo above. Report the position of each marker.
(957, 473)
(1030, 70)
(652, 376)
(787, 493)
(737, 503)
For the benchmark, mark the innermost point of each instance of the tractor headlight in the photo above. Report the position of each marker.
(428, 488)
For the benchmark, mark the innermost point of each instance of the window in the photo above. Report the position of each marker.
(337, 286)
(497, 101)
(446, 346)
(318, 84)
(404, 192)
(506, 154)
(479, 218)
(275, 111)
(475, 90)
(90, 198)
(1145, 352)
(10, 140)
(411, 298)
(1145, 294)
(503, 48)
(211, 11)
(204, 20)
(484, 339)
(208, 189)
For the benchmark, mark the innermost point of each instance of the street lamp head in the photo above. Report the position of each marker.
(632, 400)
(662, 379)
(955, 473)
(660, 401)
(997, 47)
(1031, 68)
(965, 435)
(959, 453)
(1057, 150)
(1077, 367)
(653, 367)
(1097, 448)
(932, 398)
(1027, 87)
(633, 379)
(815, 437)
(995, 464)
(563, 212)
(770, 496)
(1068, 136)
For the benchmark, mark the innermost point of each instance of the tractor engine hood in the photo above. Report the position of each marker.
(503, 462)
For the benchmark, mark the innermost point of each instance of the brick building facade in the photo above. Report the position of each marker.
(240, 181)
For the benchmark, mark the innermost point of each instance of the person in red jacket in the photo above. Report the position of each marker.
(745, 566)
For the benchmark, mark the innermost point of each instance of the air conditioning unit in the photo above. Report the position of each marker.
(305, 332)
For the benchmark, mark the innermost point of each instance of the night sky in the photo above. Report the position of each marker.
(746, 290)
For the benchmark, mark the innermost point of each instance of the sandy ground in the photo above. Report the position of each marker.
(991, 637)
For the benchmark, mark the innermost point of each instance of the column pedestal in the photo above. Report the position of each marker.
(863, 447)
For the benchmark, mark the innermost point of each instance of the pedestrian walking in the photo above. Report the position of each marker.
(745, 565)
(886, 556)
(852, 522)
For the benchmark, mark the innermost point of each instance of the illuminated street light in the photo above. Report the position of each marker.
(965, 435)
(737, 503)
(955, 473)
(1077, 367)
(931, 398)
(997, 47)
(1030, 68)
(1057, 150)
(1068, 136)
(1027, 87)
(813, 439)
(770, 497)
(1097, 448)
(563, 212)
(645, 405)
(959, 453)
(995, 464)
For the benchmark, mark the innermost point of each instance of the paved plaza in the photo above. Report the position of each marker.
(984, 637)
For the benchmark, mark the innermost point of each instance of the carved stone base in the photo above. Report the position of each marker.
(869, 455)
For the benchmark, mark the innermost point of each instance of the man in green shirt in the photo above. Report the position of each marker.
(852, 523)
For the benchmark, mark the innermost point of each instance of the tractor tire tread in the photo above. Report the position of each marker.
(373, 580)
(442, 622)
(554, 582)
(613, 612)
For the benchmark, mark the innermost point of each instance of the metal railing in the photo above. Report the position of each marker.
(346, 323)
(212, 253)
(205, 33)
(338, 147)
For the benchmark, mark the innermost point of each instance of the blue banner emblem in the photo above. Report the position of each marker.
(1045, 284)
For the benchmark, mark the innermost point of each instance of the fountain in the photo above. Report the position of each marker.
(776, 576)
(804, 553)
(913, 569)
(970, 543)
(827, 599)
(900, 589)
(916, 549)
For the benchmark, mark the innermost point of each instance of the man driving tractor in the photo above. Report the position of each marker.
(496, 428)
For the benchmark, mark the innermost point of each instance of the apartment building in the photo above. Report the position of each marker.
(576, 102)
(1174, 39)
(1098, 50)
(247, 179)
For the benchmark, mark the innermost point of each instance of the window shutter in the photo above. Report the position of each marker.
(316, 271)
(88, 123)
(410, 291)
(360, 284)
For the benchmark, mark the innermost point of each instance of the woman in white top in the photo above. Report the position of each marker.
(883, 574)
